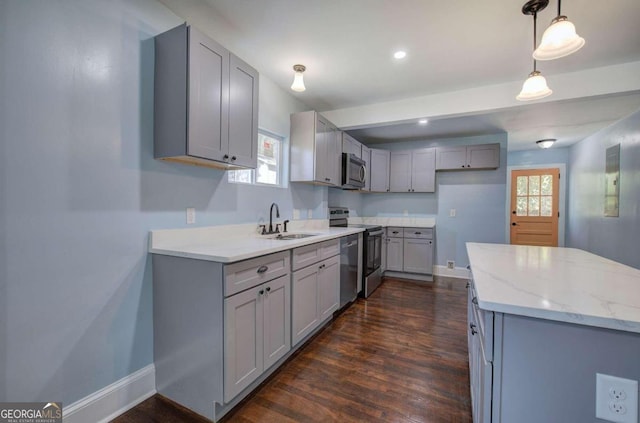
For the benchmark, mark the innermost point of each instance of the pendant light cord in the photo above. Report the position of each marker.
(559, 1)
(535, 18)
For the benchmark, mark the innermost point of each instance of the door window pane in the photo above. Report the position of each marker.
(546, 208)
(521, 206)
(521, 185)
(534, 206)
(534, 185)
(547, 185)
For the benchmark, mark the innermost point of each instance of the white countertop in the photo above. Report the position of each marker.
(230, 243)
(406, 222)
(563, 284)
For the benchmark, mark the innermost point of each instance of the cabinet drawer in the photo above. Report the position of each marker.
(395, 232)
(421, 233)
(310, 254)
(249, 273)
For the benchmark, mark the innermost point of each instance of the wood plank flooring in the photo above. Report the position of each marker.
(400, 356)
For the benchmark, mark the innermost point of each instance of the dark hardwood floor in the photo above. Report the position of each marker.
(400, 356)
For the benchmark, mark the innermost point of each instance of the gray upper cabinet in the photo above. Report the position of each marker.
(316, 147)
(350, 145)
(481, 156)
(205, 102)
(412, 170)
(379, 170)
(366, 156)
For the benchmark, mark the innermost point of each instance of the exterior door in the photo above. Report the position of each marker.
(534, 207)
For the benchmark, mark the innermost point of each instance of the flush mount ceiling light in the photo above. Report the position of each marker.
(400, 54)
(545, 143)
(559, 40)
(298, 82)
(423, 121)
(535, 87)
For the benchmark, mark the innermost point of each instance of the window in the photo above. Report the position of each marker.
(269, 170)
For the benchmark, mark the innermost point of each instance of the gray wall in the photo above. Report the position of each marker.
(80, 190)
(612, 237)
(478, 197)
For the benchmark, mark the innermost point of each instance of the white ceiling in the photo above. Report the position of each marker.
(452, 45)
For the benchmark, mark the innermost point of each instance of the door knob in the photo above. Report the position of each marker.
(514, 224)
(513, 212)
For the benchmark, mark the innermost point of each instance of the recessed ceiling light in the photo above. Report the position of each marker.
(400, 54)
(423, 121)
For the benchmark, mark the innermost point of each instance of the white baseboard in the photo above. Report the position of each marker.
(458, 272)
(111, 401)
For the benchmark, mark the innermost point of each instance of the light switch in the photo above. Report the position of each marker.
(452, 213)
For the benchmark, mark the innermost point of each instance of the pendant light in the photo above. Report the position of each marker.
(298, 82)
(535, 87)
(559, 40)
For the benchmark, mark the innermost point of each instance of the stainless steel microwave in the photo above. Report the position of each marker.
(354, 171)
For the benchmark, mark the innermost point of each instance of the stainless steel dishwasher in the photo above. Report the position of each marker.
(348, 269)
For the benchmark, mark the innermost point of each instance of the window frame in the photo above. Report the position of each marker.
(280, 173)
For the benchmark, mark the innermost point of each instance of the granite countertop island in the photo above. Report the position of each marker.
(561, 284)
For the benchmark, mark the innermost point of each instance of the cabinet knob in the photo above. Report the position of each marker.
(475, 300)
(261, 292)
(468, 285)
(225, 157)
(268, 289)
(473, 328)
(463, 166)
(262, 269)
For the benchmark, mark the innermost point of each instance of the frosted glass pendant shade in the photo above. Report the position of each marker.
(559, 40)
(298, 81)
(534, 88)
(546, 143)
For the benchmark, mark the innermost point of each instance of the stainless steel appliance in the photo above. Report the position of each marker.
(348, 269)
(354, 171)
(371, 251)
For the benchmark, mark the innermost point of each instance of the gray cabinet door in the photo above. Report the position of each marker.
(451, 158)
(243, 114)
(423, 170)
(304, 304)
(277, 319)
(379, 170)
(485, 156)
(243, 348)
(366, 156)
(350, 145)
(395, 247)
(417, 256)
(321, 153)
(328, 287)
(400, 171)
(334, 156)
(208, 135)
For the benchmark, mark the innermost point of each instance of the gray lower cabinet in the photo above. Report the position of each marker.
(410, 250)
(480, 156)
(257, 327)
(315, 287)
(412, 170)
(316, 149)
(531, 370)
(205, 102)
(379, 170)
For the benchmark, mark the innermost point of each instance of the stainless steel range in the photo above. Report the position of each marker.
(372, 249)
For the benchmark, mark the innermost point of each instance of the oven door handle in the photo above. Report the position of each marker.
(376, 233)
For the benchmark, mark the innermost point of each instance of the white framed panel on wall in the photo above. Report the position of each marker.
(562, 207)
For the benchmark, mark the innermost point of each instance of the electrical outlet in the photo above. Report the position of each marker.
(616, 399)
(296, 214)
(405, 212)
(452, 213)
(191, 215)
(309, 214)
(451, 264)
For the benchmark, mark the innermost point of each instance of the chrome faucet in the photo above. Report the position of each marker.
(271, 216)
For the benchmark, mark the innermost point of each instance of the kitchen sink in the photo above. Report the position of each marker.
(293, 236)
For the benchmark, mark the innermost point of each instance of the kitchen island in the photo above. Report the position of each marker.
(542, 322)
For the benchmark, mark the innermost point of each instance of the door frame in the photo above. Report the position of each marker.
(562, 200)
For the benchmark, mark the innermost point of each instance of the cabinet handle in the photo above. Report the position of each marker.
(261, 292)
(475, 300)
(268, 289)
(233, 158)
(418, 233)
(225, 157)
(395, 232)
(468, 285)
(473, 328)
(262, 269)
(463, 166)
